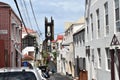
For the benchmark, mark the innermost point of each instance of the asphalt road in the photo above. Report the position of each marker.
(58, 76)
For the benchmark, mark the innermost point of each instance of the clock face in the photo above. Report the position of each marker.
(48, 34)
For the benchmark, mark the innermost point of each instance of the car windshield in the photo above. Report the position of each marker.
(17, 76)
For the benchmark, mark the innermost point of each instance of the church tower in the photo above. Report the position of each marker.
(49, 29)
(49, 34)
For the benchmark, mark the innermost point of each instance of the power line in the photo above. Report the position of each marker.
(22, 8)
(20, 15)
(27, 14)
(35, 18)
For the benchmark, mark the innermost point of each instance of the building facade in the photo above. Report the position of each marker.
(10, 37)
(70, 29)
(60, 63)
(102, 23)
(79, 52)
(31, 47)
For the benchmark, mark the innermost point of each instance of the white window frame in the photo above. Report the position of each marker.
(98, 23)
(99, 58)
(106, 19)
(92, 30)
(117, 21)
(108, 59)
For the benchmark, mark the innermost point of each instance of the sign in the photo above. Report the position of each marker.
(3, 32)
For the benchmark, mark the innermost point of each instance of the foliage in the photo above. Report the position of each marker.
(44, 54)
(54, 54)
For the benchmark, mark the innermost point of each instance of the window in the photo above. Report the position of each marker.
(17, 75)
(75, 40)
(106, 18)
(86, 2)
(87, 25)
(29, 41)
(57, 45)
(93, 56)
(80, 38)
(31, 53)
(92, 25)
(108, 59)
(117, 15)
(12, 32)
(60, 46)
(83, 37)
(99, 57)
(98, 22)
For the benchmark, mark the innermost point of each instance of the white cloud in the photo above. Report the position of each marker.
(67, 6)
(61, 10)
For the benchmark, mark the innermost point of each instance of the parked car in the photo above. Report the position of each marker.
(19, 74)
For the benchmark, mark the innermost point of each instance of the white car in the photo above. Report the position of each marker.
(19, 74)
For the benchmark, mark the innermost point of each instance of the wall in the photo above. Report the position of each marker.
(102, 42)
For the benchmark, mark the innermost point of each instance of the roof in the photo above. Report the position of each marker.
(60, 37)
(81, 20)
(2, 4)
(53, 41)
(5, 5)
(115, 40)
(69, 24)
(28, 29)
(27, 57)
(79, 30)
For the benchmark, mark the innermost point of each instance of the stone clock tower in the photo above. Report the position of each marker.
(49, 34)
(49, 29)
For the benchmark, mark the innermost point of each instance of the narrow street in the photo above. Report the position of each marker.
(59, 39)
(58, 76)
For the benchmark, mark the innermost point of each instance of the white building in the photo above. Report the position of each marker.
(70, 29)
(79, 50)
(102, 22)
(60, 54)
(29, 49)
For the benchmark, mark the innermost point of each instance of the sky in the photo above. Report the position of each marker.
(61, 11)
